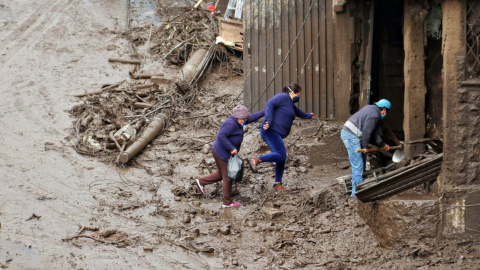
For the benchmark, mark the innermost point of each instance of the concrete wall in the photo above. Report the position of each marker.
(460, 178)
(414, 68)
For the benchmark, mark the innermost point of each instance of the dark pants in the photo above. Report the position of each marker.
(220, 174)
(279, 152)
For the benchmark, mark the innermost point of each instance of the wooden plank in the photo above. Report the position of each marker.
(323, 59)
(270, 50)
(278, 45)
(285, 43)
(255, 58)
(300, 47)
(247, 56)
(232, 30)
(330, 60)
(292, 19)
(316, 58)
(308, 95)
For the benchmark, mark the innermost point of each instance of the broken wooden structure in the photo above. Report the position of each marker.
(399, 180)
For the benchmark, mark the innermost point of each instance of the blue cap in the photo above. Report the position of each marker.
(383, 103)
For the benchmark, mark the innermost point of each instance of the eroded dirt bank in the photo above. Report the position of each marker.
(149, 216)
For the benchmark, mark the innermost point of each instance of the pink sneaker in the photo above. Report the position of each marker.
(202, 189)
(233, 204)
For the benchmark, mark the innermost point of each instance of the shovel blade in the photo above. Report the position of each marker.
(398, 155)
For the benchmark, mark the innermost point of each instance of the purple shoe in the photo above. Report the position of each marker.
(202, 189)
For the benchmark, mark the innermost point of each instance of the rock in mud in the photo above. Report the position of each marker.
(303, 169)
(108, 232)
(288, 236)
(148, 249)
(272, 213)
(344, 165)
(252, 224)
(186, 219)
(177, 199)
(191, 211)
(196, 231)
(224, 230)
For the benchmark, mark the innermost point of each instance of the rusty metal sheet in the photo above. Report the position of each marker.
(285, 43)
(262, 64)
(330, 60)
(273, 27)
(323, 60)
(270, 53)
(316, 59)
(307, 66)
(247, 53)
(300, 47)
(292, 19)
(256, 48)
(277, 36)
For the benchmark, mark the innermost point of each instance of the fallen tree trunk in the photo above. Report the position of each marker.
(188, 70)
(151, 131)
(125, 61)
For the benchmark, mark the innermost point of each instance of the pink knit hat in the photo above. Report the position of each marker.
(241, 112)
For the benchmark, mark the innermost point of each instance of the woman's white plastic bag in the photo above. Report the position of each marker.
(235, 168)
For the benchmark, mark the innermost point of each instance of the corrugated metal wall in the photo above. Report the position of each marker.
(270, 29)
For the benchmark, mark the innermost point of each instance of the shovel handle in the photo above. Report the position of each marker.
(377, 149)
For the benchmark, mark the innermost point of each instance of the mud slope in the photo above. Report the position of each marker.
(50, 50)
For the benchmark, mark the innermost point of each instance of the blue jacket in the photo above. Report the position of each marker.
(280, 111)
(230, 135)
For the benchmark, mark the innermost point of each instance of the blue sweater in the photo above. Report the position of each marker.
(230, 135)
(280, 111)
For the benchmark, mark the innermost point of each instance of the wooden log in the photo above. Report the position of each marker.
(101, 91)
(151, 131)
(142, 86)
(147, 76)
(188, 70)
(142, 105)
(125, 61)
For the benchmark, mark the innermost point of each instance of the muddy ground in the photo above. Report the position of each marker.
(150, 216)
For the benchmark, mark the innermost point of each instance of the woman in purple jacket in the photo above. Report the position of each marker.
(280, 111)
(227, 144)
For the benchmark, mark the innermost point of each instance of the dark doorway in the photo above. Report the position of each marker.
(388, 61)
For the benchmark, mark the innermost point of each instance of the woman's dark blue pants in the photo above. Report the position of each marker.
(278, 154)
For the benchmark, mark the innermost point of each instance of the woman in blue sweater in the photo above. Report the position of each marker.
(227, 144)
(280, 111)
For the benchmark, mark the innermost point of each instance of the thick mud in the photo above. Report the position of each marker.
(62, 210)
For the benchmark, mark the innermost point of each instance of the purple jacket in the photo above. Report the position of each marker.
(280, 111)
(230, 135)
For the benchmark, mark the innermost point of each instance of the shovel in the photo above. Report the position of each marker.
(397, 155)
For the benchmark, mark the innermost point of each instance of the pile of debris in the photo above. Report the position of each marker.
(126, 116)
(178, 37)
(113, 118)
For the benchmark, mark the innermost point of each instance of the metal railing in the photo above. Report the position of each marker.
(473, 39)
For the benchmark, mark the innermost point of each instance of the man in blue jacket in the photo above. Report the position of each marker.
(357, 132)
